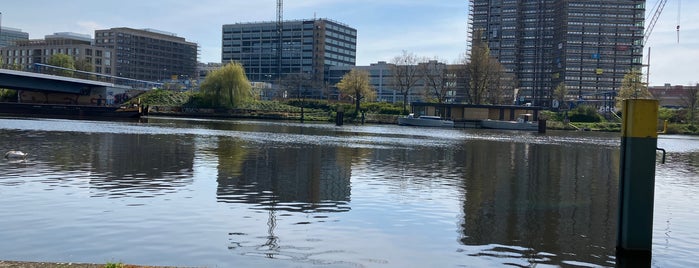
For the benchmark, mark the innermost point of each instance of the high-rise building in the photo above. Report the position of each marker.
(309, 47)
(9, 35)
(587, 44)
(149, 54)
(25, 53)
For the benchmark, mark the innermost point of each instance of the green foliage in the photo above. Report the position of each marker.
(584, 113)
(313, 104)
(63, 61)
(8, 95)
(672, 115)
(162, 97)
(227, 87)
(381, 108)
(357, 85)
(632, 86)
(114, 265)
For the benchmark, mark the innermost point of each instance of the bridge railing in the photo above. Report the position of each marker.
(122, 81)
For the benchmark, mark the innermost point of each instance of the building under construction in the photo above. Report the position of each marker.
(587, 44)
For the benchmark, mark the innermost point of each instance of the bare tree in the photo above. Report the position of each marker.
(437, 80)
(690, 99)
(485, 73)
(405, 75)
(297, 84)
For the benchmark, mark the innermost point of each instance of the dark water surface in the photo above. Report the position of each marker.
(219, 193)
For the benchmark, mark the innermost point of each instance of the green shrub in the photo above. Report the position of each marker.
(584, 113)
(8, 95)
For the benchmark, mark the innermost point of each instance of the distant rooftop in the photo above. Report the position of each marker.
(10, 29)
(159, 32)
(70, 35)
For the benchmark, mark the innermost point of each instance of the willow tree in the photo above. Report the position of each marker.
(357, 84)
(227, 87)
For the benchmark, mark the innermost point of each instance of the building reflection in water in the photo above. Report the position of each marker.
(116, 165)
(293, 179)
(529, 201)
(303, 178)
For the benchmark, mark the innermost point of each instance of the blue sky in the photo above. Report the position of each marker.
(434, 29)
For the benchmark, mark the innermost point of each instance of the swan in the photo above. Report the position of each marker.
(15, 155)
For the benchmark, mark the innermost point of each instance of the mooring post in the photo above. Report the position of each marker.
(639, 139)
(340, 116)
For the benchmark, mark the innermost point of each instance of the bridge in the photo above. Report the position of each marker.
(19, 80)
(42, 82)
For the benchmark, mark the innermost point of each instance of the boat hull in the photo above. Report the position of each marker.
(422, 122)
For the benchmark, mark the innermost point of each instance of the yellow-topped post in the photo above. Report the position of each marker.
(639, 140)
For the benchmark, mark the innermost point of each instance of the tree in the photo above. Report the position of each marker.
(437, 80)
(690, 99)
(404, 74)
(63, 61)
(297, 84)
(356, 83)
(227, 87)
(559, 94)
(632, 86)
(485, 73)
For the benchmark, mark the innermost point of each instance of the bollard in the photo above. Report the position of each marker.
(339, 117)
(542, 126)
(639, 140)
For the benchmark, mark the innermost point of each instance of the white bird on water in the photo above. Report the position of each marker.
(16, 155)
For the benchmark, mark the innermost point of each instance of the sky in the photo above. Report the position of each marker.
(385, 28)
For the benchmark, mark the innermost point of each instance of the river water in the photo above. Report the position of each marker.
(223, 193)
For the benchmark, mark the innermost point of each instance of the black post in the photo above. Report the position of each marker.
(339, 117)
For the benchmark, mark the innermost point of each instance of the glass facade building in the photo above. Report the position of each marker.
(587, 44)
(308, 47)
(9, 35)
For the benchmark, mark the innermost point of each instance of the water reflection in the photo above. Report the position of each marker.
(109, 164)
(260, 193)
(540, 203)
(295, 178)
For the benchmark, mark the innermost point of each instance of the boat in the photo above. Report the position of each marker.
(424, 121)
(522, 123)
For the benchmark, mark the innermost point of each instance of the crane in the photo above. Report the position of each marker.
(656, 11)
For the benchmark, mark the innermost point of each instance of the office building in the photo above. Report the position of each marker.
(25, 53)
(451, 77)
(308, 47)
(148, 54)
(9, 35)
(587, 44)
